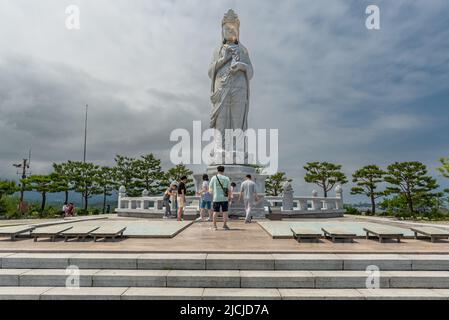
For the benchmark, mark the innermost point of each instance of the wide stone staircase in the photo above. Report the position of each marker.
(46, 276)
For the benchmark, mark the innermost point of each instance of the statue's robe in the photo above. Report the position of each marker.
(229, 92)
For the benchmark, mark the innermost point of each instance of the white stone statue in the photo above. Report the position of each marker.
(230, 72)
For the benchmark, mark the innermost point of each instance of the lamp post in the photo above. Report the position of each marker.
(25, 165)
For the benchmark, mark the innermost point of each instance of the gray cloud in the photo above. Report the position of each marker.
(335, 90)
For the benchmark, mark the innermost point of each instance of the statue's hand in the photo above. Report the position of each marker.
(227, 56)
(238, 66)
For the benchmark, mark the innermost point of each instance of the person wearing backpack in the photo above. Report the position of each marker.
(219, 187)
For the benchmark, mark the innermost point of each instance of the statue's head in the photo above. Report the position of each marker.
(230, 27)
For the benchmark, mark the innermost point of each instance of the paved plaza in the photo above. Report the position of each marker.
(186, 236)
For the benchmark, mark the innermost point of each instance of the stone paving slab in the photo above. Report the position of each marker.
(320, 279)
(240, 294)
(276, 279)
(402, 294)
(430, 231)
(320, 294)
(22, 293)
(429, 261)
(307, 262)
(54, 277)
(186, 261)
(80, 229)
(5, 231)
(83, 294)
(155, 229)
(417, 279)
(203, 278)
(51, 230)
(105, 260)
(163, 294)
(3, 255)
(10, 277)
(282, 229)
(240, 262)
(344, 279)
(382, 261)
(443, 292)
(36, 260)
(130, 278)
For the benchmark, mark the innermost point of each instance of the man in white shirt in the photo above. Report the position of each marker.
(249, 195)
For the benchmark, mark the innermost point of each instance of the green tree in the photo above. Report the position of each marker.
(367, 180)
(410, 180)
(274, 184)
(395, 205)
(41, 184)
(105, 183)
(124, 173)
(7, 187)
(84, 177)
(174, 175)
(148, 173)
(444, 169)
(324, 174)
(62, 179)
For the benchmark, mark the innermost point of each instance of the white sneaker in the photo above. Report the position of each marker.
(199, 219)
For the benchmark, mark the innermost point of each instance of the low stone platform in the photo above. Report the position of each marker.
(282, 229)
(242, 238)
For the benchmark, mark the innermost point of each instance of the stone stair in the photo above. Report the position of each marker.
(223, 276)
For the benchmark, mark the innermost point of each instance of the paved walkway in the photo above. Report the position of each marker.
(242, 238)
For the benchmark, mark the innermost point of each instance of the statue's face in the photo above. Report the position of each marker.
(230, 32)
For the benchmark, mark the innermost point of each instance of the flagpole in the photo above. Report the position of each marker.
(85, 136)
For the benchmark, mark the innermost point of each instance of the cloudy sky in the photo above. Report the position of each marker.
(335, 90)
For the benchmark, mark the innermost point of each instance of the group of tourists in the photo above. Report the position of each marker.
(178, 192)
(216, 197)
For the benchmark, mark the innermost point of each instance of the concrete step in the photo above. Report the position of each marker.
(131, 293)
(319, 279)
(176, 261)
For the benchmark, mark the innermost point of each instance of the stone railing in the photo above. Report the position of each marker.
(287, 204)
(306, 204)
(149, 203)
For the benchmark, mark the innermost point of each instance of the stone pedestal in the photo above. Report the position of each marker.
(287, 197)
(237, 173)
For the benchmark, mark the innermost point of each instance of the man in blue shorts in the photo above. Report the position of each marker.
(206, 200)
(219, 187)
